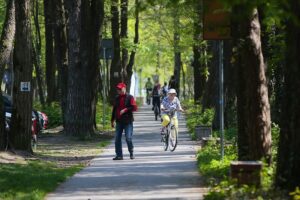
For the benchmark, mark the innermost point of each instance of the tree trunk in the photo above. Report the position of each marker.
(115, 69)
(85, 18)
(230, 119)
(22, 100)
(6, 45)
(124, 37)
(50, 61)
(254, 125)
(288, 164)
(210, 95)
(97, 16)
(177, 53)
(61, 52)
(136, 41)
(37, 53)
(199, 68)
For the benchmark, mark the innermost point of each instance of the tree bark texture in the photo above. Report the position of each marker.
(199, 76)
(210, 95)
(6, 45)
(61, 53)
(177, 53)
(22, 100)
(115, 69)
(85, 18)
(124, 37)
(36, 51)
(288, 164)
(254, 123)
(50, 58)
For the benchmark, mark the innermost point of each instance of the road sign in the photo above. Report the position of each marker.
(106, 49)
(25, 87)
(216, 21)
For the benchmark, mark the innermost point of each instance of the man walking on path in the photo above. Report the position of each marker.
(122, 114)
(154, 173)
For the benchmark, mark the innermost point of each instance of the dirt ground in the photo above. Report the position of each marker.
(66, 151)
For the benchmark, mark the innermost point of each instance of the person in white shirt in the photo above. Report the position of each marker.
(168, 103)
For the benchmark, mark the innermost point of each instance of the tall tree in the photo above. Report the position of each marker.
(6, 45)
(83, 42)
(22, 94)
(198, 66)
(254, 125)
(177, 50)
(61, 53)
(50, 58)
(288, 175)
(37, 51)
(124, 37)
(115, 69)
(130, 64)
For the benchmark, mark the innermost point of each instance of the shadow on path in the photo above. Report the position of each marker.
(153, 174)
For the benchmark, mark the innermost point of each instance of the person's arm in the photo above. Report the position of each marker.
(113, 117)
(179, 105)
(132, 107)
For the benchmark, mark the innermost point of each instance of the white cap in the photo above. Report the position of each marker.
(172, 91)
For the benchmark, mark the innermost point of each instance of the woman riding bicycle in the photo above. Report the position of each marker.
(171, 102)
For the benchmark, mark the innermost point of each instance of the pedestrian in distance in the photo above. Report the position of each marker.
(156, 96)
(172, 82)
(164, 90)
(148, 87)
(122, 120)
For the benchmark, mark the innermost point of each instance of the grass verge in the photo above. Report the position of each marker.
(56, 158)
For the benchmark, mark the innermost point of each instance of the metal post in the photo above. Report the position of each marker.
(140, 70)
(221, 96)
(103, 88)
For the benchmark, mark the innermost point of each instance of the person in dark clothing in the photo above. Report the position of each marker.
(122, 119)
(156, 96)
(172, 82)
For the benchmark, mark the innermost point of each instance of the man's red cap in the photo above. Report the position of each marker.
(121, 85)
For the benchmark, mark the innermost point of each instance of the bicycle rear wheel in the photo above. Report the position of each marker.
(173, 138)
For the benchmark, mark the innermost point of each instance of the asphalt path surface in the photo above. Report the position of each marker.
(153, 174)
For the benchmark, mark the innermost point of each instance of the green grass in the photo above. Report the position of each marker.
(59, 157)
(32, 181)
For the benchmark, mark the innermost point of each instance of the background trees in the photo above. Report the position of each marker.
(161, 38)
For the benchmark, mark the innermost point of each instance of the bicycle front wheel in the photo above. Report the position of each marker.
(173, 138)
(165, 141)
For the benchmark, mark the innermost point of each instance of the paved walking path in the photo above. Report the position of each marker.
(153, 174)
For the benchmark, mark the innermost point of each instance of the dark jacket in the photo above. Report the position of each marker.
(130, 104)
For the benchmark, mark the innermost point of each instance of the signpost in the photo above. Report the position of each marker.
(216, 26)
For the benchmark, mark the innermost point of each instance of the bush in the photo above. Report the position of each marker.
(195, 117)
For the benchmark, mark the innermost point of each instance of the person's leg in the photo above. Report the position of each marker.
(165, 120)
(118, 139)
(128, 135)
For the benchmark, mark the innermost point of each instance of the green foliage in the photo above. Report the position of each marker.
(103, 116)
(296, 194)
(195, 116)
(210, 164)
(230, 134)
(216, 175)
(33, 180)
